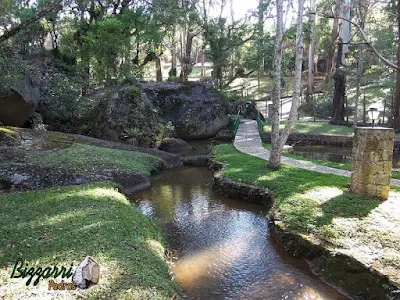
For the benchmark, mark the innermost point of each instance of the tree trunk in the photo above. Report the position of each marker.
(202, 71)
(186, 62)
(396, 111)
(339, 94)
(297, 78)
(358, 87)
(158, 70)
(334, 35)
(173, 49)
(311, 53)
(275, 155)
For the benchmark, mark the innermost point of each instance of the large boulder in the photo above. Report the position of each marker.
(175, 146)
(126, 115)
(18, 104)
(193, 109)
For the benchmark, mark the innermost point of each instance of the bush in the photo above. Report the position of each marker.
(65, 103)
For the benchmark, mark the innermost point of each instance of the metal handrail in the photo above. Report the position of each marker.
(236, 125)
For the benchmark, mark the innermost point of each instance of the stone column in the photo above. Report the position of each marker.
(372, 161)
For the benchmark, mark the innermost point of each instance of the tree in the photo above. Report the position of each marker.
(339, 75)
(396, 111)
(279, 140)
(190, 29)
(53, 7)
(311, 53)
(275, 156)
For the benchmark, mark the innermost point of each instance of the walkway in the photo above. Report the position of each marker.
(248, 141)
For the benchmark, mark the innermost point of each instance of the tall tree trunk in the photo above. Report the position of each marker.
(334, 35)
(396, 112)
(311, 53)
(297, 77)
(358, 85)
(158, 70)
(186, 61)
(339, 94)
(260, 46)
(173, 49)
(275, 156)
(202, 71)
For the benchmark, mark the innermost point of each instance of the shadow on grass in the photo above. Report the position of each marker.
(61, 226)
(288, 185)
(347, 205)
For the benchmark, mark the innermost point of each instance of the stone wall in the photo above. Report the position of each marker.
(239, 190)
(372, 161)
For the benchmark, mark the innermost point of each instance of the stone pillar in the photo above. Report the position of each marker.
(372, 161)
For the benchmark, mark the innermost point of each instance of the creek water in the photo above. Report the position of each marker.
(333, 154)
(223, 246)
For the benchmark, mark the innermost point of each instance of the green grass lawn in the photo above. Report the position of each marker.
(60, 226)
(87, 158)
(320, 206)
(315, 128)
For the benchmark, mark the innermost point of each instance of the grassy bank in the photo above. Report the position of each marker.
(82, 157)
(61, 226)
(320, 207)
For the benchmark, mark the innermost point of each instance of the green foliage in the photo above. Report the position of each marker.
(12, 69)
(87, 158)
(65, 104)
(135, 93)
(46, 228)
(172, 72)
(222, 44)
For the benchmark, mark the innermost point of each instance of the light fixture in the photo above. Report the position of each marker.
(373, 114)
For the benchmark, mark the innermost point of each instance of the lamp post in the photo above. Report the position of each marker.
(373, 114)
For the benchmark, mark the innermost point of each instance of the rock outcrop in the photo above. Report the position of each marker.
(194, 110)
(175, 146)
(18, 104)
(126, 115)
(143, 114)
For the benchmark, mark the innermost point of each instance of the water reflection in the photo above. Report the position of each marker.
(224, 248)
(334, 154)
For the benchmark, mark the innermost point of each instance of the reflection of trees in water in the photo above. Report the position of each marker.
(337, 155)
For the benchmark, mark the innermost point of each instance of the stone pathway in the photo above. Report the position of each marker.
(248, 141)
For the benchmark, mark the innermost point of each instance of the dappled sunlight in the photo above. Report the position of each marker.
(283, 284)
(101, 193)
(61, 226)
(235, 170)
(62, 217)
(156, 247)
(323, 194)
(189, 270)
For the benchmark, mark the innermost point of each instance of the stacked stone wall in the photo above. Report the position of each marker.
(372, 161)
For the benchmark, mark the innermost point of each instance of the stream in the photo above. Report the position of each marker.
(223, 246)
